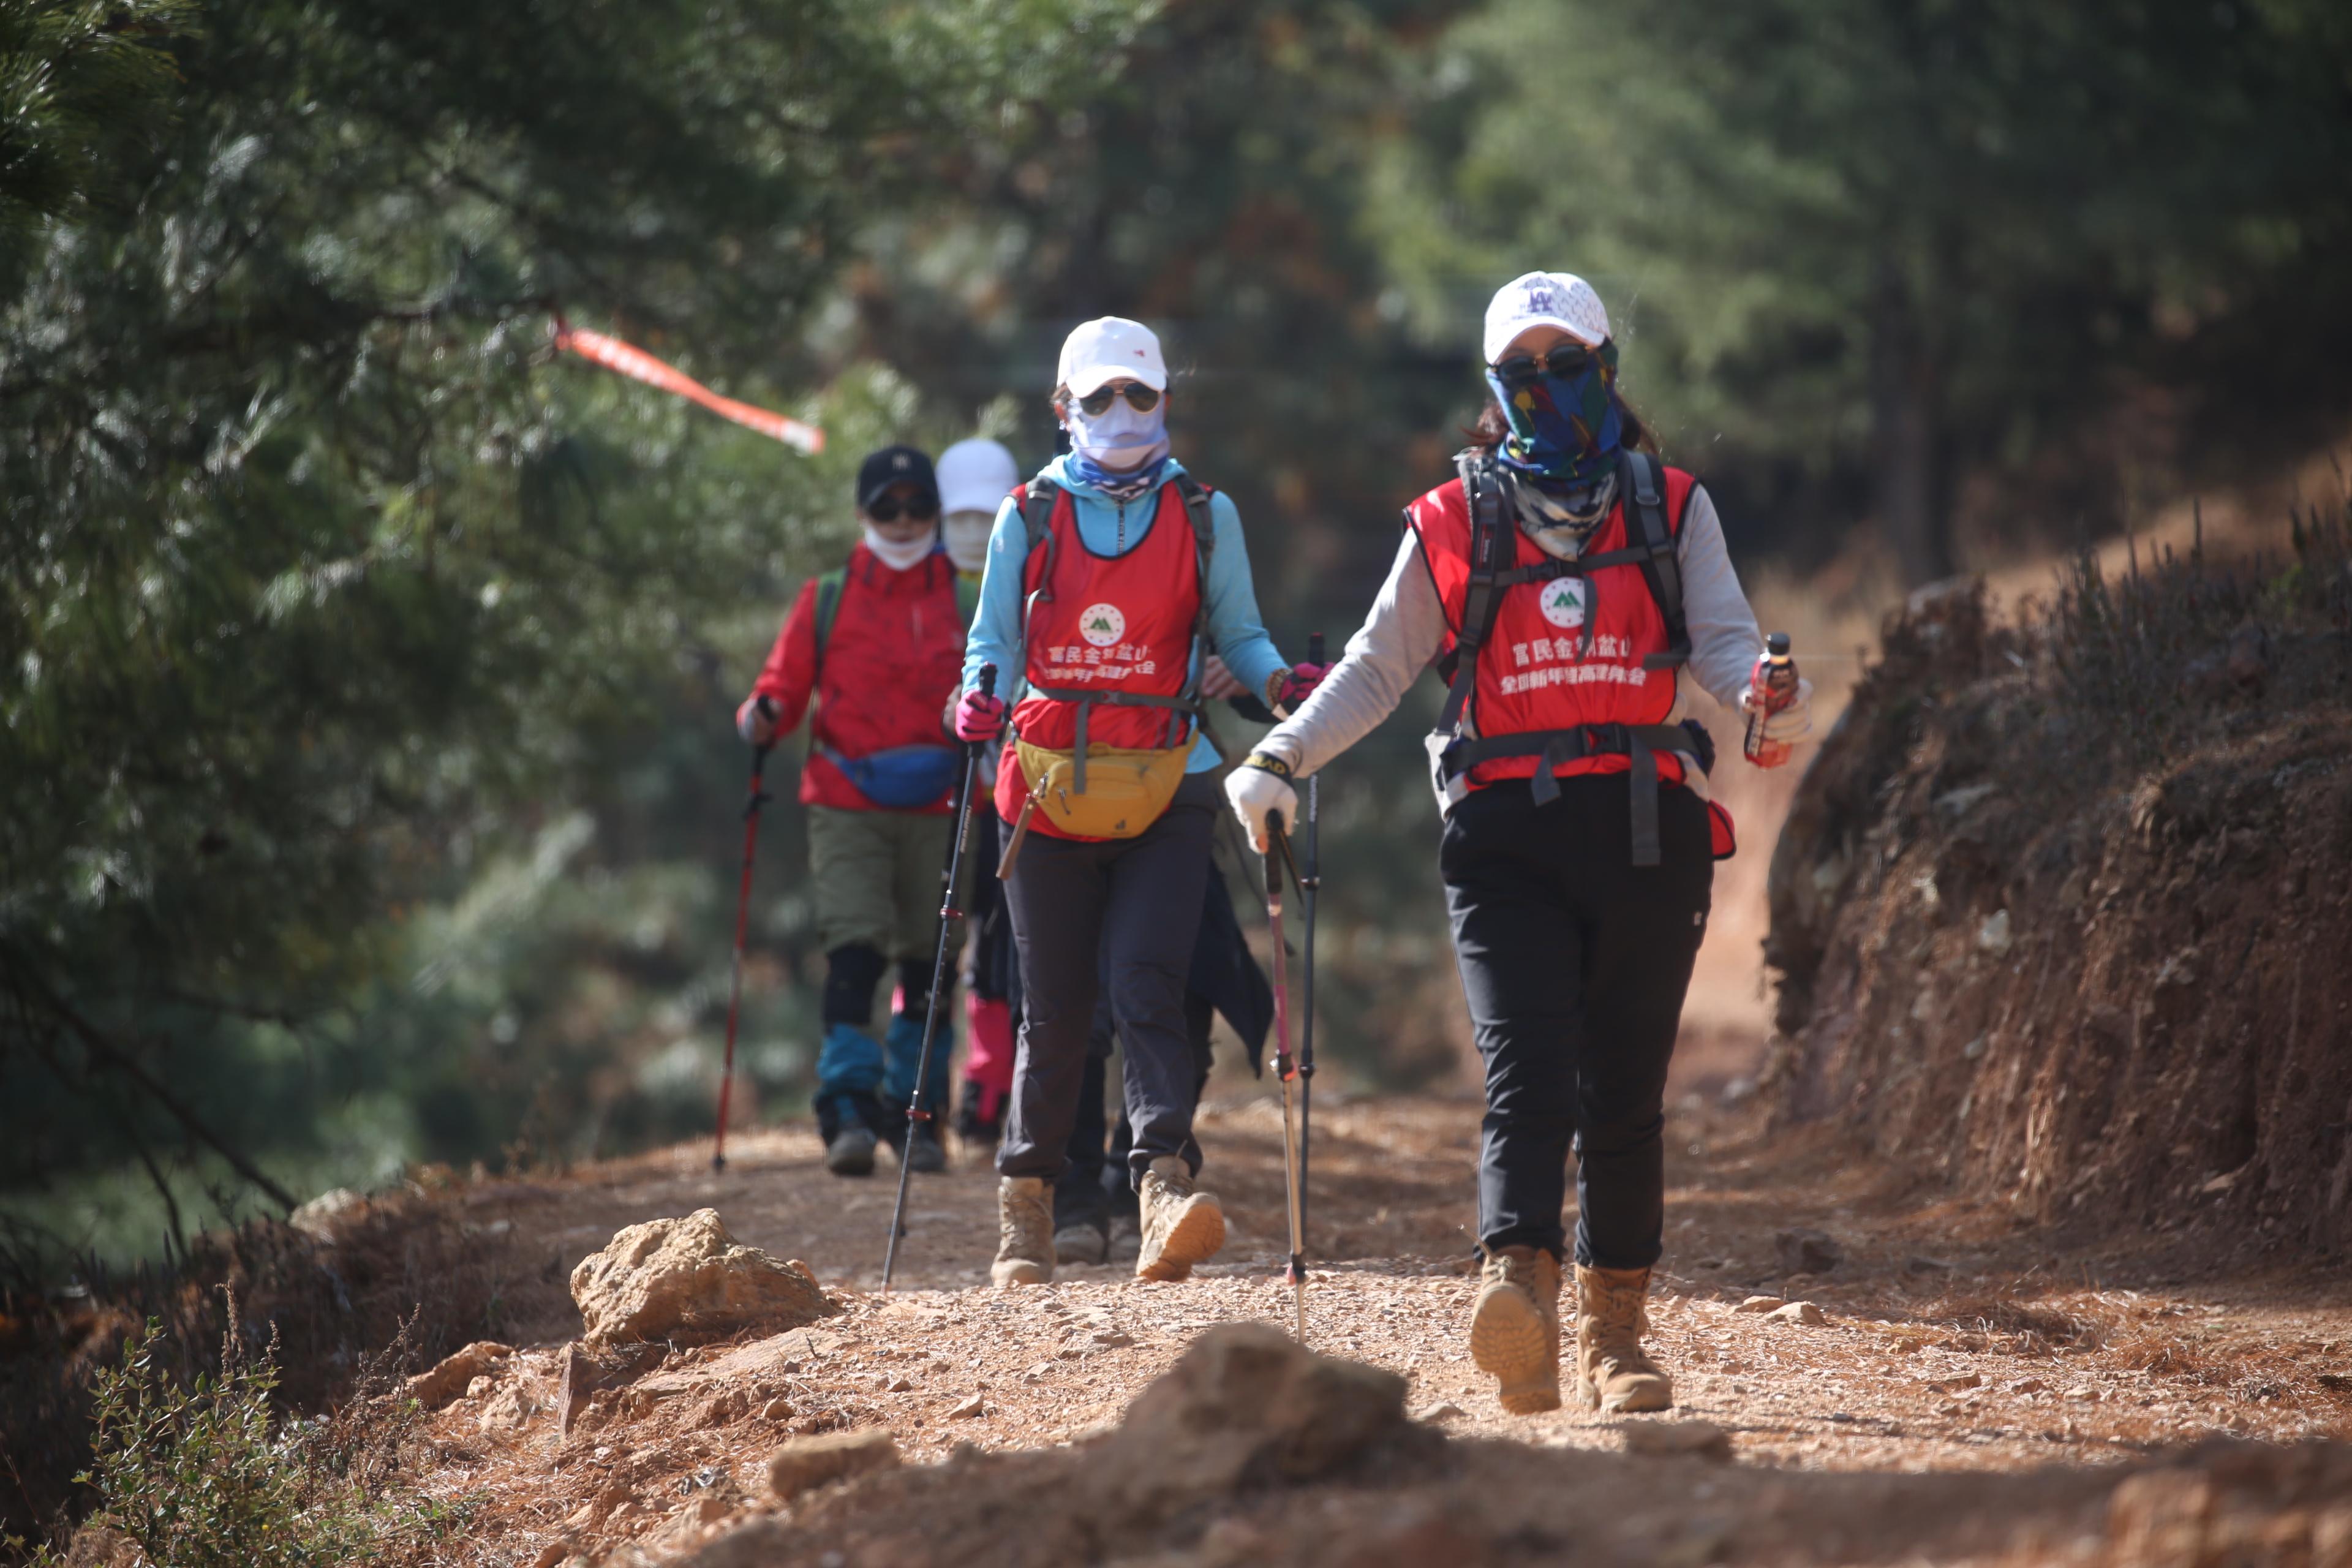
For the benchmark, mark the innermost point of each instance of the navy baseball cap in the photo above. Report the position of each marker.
(893, 466)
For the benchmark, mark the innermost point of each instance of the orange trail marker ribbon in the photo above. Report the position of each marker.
(639, 366)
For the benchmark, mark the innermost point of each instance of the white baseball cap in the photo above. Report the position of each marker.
(1559, 300)
(976, 476)
(1107, 348)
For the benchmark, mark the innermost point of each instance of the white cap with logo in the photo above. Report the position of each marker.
(976, 476)
(1107, 349)
(1559, 300)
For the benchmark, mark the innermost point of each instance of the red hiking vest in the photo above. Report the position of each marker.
(1107, 641)
(1560, 667)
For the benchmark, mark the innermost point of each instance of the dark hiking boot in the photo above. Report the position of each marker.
(1126, 1239)
(923, 1151)
(1613, 1374)
(1025, 1232)
(1081, 1241)
(851, 1151)
(1181, 1226)
(973, 1123)
(1081, 1218)
(1514, 1328)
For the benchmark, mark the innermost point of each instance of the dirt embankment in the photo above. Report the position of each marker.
(2062, 911)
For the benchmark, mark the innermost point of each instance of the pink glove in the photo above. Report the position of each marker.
(1291, 686)
(979, 719)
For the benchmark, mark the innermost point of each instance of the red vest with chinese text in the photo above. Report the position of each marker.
(1107, 625)
(1562, 653)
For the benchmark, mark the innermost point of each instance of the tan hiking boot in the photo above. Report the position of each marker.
(1613, 1374)
(1514, 1328)
(1025, 1232)
(1181, 1226)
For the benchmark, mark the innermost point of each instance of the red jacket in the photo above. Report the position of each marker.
(895, 658)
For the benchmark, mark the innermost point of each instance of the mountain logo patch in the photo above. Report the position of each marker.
(1102, 624)
(1563, 602)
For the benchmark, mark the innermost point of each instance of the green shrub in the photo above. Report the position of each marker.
(206, 1476)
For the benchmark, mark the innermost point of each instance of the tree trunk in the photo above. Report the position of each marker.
(1908, 489)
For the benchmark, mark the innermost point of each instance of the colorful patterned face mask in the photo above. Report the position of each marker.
(1563, 426)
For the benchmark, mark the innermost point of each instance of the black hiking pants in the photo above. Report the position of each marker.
(1575, 963)
(1094, 1186)
(1132, 907)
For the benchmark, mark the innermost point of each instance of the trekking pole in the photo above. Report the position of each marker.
(1309, 886)
(916, 1113)
(758, 798)
(1277, 852)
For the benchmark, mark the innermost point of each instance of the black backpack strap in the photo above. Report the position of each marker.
(1641, 488)
(1490, 552)
(1037, 499)
(1205, 544)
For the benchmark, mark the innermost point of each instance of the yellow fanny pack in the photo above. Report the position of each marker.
(1116, 794)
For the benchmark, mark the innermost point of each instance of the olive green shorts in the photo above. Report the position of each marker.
(877, 877)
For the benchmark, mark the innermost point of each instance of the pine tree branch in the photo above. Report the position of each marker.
(114, 1059)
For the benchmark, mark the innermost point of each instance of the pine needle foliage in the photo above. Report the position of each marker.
(318, 573)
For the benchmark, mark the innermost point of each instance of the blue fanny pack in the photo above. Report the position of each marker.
(901, 778)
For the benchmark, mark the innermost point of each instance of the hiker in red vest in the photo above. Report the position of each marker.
(1111, 577)
(877, 644)
(1568, 576)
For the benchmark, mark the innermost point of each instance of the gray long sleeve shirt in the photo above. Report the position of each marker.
(1407, 626)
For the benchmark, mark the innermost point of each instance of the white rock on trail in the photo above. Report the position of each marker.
(1803, 1312)
(673, 1277)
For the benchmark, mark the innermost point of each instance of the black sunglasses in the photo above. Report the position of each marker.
(1567, 359)
(1139, 398)
(887, 508)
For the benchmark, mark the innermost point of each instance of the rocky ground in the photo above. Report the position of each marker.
(1881, 1376)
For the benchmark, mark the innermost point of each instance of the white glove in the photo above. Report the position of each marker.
(756, 720)
(1257, 788)
(1792, 723)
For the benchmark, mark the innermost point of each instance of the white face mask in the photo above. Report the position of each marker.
(896, 556)
(1118, 440)
(966, 534)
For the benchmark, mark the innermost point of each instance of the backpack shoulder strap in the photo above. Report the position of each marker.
(1490, 551)
(828, 606)
(1037, 499)
(1205, 544)
(1205, 522)
(1641, 485)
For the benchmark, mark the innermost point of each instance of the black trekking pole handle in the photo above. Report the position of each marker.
(917, 1112)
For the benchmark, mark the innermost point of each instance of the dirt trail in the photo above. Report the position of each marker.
(1950, 1342)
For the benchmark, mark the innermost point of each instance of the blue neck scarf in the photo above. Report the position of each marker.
(1564, 429)
(1121, 486)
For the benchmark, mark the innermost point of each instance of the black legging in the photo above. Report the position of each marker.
(1575, 963)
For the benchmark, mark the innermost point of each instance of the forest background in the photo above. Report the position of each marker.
(368, 797)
